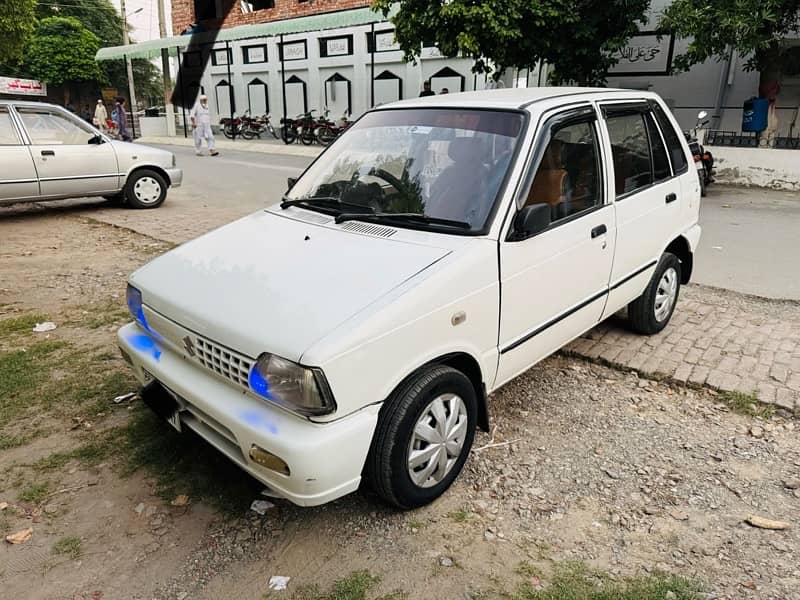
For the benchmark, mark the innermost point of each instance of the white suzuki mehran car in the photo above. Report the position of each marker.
(438, 249)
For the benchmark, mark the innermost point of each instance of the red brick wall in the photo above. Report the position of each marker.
(183, 12)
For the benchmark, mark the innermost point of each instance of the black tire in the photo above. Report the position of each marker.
(643, 312)
(145, 189)
(386, 468)
(288, 134)
(325, 135)
(307, 136)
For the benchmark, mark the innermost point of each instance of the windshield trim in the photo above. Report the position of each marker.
(501, 191)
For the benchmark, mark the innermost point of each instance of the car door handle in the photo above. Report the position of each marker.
(598, 231)
(671, 197)
(48, 153)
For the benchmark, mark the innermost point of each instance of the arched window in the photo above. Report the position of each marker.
(257, 97)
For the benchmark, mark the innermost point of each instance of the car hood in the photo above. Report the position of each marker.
(270, 283)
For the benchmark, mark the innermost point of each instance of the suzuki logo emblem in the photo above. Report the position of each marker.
(188, 344)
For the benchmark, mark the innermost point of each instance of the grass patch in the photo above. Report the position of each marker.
(576, 581)
(68, 546)
(23, 323)
(526, 569)
(34, 493)
(460, 516)
(746, 404)
(353, 587)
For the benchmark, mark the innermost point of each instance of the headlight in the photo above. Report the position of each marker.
(135, 306)
(293, 386)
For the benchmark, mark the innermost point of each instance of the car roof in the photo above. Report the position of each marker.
(32, 103)
(517, 98)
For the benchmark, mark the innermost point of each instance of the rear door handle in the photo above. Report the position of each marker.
(671, 197)
(48, 153)
(598, 231)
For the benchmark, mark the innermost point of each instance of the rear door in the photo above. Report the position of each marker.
(67, 163)
(18, 180)
(647, 198)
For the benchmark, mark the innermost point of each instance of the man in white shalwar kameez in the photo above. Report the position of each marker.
(201, 126)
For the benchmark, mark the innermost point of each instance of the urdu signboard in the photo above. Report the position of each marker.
(646, 53)
(22, 87)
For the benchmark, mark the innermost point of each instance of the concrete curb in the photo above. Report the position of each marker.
(264, 147)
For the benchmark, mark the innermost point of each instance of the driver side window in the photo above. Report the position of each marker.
(568, 178)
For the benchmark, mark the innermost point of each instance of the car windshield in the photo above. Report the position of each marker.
(427, 168)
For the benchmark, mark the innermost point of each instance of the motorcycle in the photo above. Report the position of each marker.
(703, 159)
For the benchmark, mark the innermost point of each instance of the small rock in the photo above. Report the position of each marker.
(445, 561)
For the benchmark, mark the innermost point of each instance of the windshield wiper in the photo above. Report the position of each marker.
(324, 201)
(413, 217)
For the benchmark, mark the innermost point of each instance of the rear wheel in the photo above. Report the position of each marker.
(145, 189)
(423, 437)
(651, 311)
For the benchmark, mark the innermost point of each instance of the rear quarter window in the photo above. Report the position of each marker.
(671, 137)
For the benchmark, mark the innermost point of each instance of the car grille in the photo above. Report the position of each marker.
(223, 361)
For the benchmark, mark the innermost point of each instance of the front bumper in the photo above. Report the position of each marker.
(325, 460)
(175, 175)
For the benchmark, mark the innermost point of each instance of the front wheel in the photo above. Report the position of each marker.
(145, 189)
(423, 437)
(651, 311)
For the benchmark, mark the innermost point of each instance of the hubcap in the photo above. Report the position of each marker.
(437, 440)
(666, 294)
(147, 190)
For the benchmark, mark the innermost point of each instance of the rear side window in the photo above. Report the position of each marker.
(674, 146)
(660, 161)
(630, 151)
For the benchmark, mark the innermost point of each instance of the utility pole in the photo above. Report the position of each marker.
(128, 66)
(165, 71)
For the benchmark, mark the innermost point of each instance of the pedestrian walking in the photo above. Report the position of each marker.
(201, 126)
(100, 119)
(122, 120)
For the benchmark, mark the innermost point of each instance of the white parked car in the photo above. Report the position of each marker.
(438, 249)
(47, 153)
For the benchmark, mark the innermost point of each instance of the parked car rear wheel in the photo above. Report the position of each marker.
(651, 311)
(145, 189)
(423, 437)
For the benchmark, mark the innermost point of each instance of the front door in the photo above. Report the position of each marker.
(67, 163)
(554, 284)
(18, 179)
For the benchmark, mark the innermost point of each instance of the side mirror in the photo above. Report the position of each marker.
(701, 115)
(531, 220)
(291, 181)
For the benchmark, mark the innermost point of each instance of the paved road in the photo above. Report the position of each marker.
(751, 242)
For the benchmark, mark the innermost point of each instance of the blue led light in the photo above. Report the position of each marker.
(145, 344)
(257, 382)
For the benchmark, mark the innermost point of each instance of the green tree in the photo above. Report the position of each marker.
(756, 29)
(17, 22)
(579, 38)
(61, 51)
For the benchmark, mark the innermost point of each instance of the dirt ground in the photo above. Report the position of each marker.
(584, 463)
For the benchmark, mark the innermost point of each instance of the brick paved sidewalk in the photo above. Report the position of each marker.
(717, 338)
(721, 339)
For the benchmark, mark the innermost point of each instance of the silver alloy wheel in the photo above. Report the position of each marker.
(147, 190)
(666, 293)
(437, 440)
